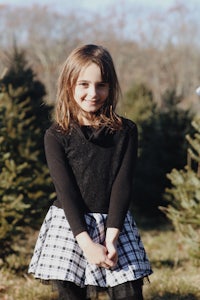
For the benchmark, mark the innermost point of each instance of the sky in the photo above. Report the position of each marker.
(90, 7)
(93, 5)
(144, 10)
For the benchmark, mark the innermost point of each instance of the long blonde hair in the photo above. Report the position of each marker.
(66, 109)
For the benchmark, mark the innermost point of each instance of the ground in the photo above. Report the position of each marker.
(175, 275)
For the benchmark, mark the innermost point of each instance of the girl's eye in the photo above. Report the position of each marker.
(84, 84)
(103, 84)
(100, 85)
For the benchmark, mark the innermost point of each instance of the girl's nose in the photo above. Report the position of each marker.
(92, 91)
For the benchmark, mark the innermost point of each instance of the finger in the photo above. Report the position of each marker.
(112, 251)
(109, 262)
(115, 261)
(114, 256)
(104, 265)
(111, 255)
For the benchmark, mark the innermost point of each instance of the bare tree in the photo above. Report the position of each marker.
(159, 49)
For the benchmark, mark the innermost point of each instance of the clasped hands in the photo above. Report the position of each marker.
(104, 256)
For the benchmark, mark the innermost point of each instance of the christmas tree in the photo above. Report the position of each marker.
(20, 75)
(162, 145)
(184, 196)
(25, 185)
(24, 180)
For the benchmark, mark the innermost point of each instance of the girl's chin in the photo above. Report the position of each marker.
(90, 110)
(87, 113)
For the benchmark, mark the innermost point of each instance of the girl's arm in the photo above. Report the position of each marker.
(121, 193)
(112, 235)
(65, 184)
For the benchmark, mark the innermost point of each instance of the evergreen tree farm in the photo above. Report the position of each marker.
(138, 105)
(20, 75)
(184, 196)
(162, 144)
(25, 184)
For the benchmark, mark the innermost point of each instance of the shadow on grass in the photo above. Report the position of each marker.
(148, 223)
(168, 263)
(173, 296)
(53, 297)
(166, 296)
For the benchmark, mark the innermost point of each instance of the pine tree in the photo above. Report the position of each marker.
(20, 75)
(138, 105)
(184, 196)
(162, 145)
(25, 185)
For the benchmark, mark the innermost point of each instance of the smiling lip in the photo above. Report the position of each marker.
(92, 101)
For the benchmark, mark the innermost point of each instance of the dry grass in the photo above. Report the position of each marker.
(174, 278)
(13, 287)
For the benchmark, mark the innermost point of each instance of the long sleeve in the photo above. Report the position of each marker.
(121, 192)
(65, 184)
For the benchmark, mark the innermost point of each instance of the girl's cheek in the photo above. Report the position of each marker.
(81, 95)
(105, 94)
(78, 94)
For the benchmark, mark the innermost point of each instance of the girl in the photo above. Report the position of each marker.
(89, 240)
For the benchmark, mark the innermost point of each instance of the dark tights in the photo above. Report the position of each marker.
(127, 291)
(69, 291)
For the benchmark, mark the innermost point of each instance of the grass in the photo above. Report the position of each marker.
(174, 277)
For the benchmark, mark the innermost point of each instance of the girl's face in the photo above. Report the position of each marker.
(90, 91)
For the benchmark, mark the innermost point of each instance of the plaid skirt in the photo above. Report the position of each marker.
(57, 255)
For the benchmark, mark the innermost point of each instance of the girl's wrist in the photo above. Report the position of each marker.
(112, 235)
(84, 240)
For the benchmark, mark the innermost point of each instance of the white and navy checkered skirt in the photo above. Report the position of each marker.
(57, 255)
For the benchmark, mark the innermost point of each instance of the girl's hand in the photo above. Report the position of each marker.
(112, 235)
(94, 253)
(97, 254)
(112, 252)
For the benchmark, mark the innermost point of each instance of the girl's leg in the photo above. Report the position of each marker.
(128, 291)
(69, 291)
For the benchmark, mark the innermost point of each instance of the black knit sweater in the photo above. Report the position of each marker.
(92, 171)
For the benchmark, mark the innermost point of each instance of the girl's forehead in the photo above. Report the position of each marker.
(91, 69)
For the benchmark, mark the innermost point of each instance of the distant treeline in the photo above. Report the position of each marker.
(159, 49)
